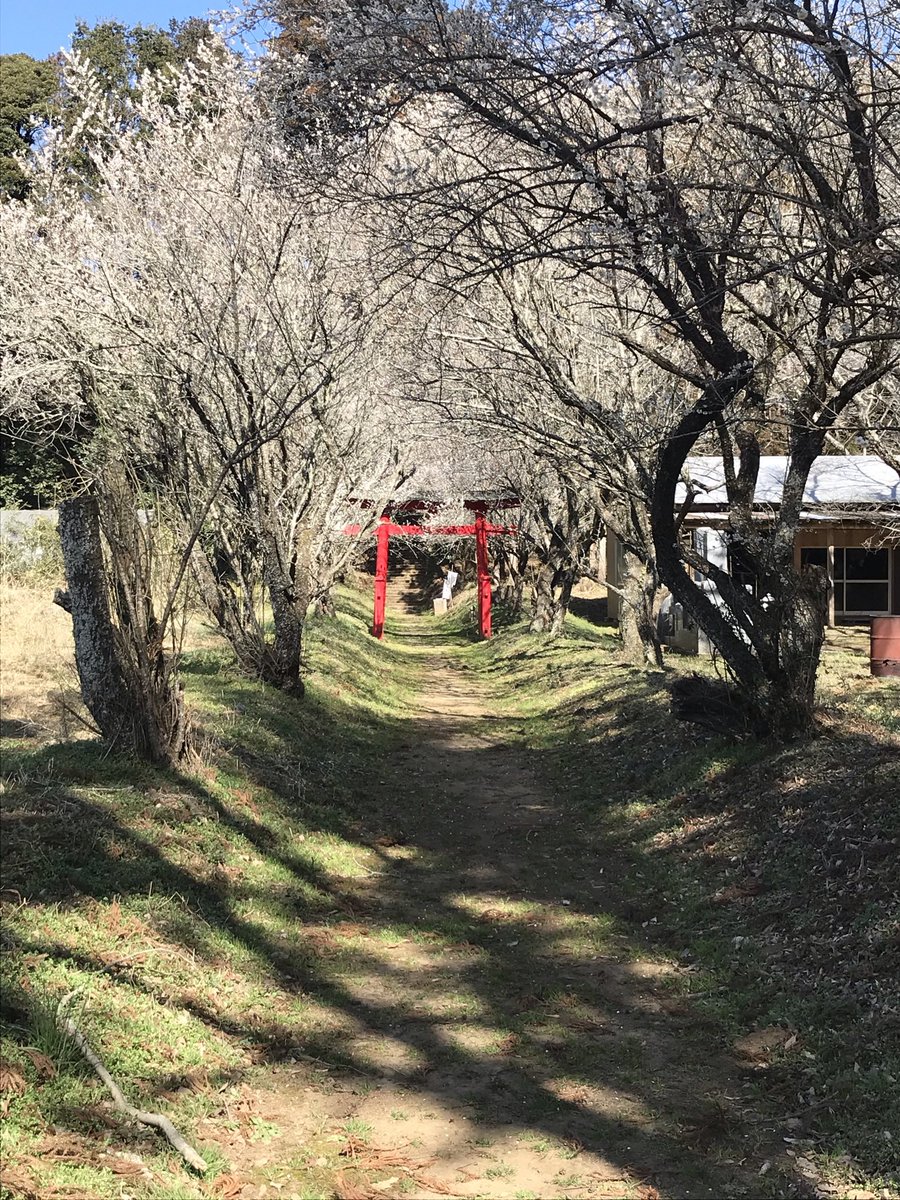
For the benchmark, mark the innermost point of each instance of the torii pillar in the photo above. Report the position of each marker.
(484, 573)
(382, 535)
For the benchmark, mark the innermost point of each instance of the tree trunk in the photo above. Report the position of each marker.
(229, 606)
(104, 684)
(510, 567)
(276, 661)
(565, 581)
(127, 684)
(282, 667)
(289, 595)
(794, 627)
(542, 600)
(638, 613)
(226, 608)
(565, 526)
(325, 604)
(550, 598)
(771, 648)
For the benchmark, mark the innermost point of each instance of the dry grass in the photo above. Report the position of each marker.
(38, 684)
(39, 694)
(846, 689)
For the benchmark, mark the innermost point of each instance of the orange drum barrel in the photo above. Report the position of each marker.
(884, 646)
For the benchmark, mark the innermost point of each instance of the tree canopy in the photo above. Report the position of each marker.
(33, 91)
(27, 88)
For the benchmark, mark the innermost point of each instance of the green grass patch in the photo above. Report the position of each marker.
(201, 918)
(238, 920)
(770, 871)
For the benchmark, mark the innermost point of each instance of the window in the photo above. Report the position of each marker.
(813, 556)
(742, 568)
(865, 564)
(862, 580)
(866, 598)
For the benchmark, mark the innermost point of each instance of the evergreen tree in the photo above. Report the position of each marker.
(119, 54)
(27, 87)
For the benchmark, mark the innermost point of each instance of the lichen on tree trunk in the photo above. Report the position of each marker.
(638, 612)
(128, 685)
(551, 596)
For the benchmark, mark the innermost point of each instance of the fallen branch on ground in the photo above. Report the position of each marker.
(157, 1120)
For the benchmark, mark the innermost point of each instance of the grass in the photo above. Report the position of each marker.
(167, 901)
(223, 928)
(361, 1130)
(772, 871)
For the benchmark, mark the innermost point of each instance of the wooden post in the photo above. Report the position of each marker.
(831, 619)
(484, 577)
(381, 575)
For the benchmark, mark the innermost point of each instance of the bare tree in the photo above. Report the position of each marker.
(219, 346)
(875, 425)
(563, 529)
(529, 355)
(735, 168)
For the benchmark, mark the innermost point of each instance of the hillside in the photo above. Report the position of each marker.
(471, 919)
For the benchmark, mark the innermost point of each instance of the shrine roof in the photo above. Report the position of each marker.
(431, 500)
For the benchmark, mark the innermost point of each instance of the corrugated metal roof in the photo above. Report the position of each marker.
(834, 480)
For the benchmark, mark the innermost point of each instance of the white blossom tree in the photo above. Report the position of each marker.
(214, 331)
(530, 355)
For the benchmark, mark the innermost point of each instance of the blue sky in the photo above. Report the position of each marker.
(41, 27)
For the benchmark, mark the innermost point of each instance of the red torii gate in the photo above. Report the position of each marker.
(481, 528)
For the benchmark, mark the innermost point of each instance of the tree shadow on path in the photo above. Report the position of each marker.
(477, 966)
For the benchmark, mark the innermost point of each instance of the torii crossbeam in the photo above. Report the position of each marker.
(482, 529)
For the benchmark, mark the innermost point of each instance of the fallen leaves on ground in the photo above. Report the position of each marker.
(373, 1158)
(345, 1189)
(380, 1158)
(67, 1147)
(119, 1164)
(573, 1093)
(738, 891)
(93, 1114)
(226, 1187)
(11, 1079)
(351, 929)
(431, 1183)
(19, 1184)
(22, 1185)
(43, 1064)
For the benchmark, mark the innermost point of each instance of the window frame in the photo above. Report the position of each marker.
(838, 580)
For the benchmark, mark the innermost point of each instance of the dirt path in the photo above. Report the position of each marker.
(516, 1046)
